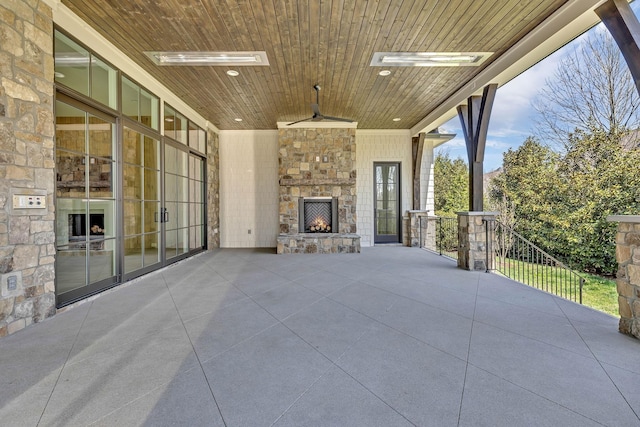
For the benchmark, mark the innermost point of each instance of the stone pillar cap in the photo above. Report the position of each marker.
(478, 213)
(624, 218)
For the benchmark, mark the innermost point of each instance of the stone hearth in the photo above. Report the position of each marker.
(317, 163)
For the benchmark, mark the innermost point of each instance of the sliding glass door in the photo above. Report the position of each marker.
(86, 232)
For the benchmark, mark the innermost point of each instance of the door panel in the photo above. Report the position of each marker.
(387, 225)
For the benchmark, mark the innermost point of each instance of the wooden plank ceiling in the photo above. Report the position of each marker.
(329, 42)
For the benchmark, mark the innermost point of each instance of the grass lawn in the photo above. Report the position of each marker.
(597, 292)
(600, 293)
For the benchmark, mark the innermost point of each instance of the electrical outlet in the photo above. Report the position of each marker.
(12, 283)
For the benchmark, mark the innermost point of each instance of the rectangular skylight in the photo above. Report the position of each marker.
(209, 58)
(428, 59)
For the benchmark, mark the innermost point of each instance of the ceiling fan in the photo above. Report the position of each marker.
(317, 115)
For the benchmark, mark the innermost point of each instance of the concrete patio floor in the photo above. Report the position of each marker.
(394, 336)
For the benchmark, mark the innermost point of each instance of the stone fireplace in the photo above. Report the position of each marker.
(317, 176)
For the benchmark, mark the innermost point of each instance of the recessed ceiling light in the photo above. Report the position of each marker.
(397, 119)
(59, 75)
(233, 73)
(429, 59)
(238, 119)
(168, 119)
(384, 73)
(209, 58)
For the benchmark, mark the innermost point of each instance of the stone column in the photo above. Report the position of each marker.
(472, 240)
(413, 232)
(628, 277)
(27, 162)
(213, 190)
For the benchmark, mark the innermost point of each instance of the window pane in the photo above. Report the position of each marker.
(149, 109)
(151, 184)
(71, 64)
(101, 221)
(132, 254)
(169, 121)
(182, 189)
(151, 217)
(131, 146)
(193, 135)
(151, 153)
(70, 128)
(101, 177)
(183, 214)
(170, 159)
(183, 240)
(132, 218)
(70, 174)
(132, 182)
(181, 163)
(151, 252)
(202, 141)
(71, 267)
(103, 83)
(130, 102)
(181, 128)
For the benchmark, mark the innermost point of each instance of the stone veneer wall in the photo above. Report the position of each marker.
(472, 240)
(27, 250)
(317, 163)
(213, 190)
(628, 277)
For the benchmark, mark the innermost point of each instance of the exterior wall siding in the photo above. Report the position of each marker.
(380, 146)
(248, 189)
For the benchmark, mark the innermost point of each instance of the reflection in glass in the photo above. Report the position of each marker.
(169, 121)
(181, 128)
(103, 83)
(102, 260)
(183, 214)
(70, 174)
(171, 209)
(183, 241)
(170, 159)
(151, 184)
(71, 268)
(171, 243)
(151, 153)
(149, 109)
(71, 64)
(130, 99)
(133, 254)
(132, 218)
(70, 128)
(132, 182)
(151, 217)
(182, 189)
(151, 249)
(131, 149)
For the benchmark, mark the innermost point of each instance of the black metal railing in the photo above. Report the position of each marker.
(439, 234)
(519, 259)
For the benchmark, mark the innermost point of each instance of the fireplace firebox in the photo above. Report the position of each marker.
(318, 214)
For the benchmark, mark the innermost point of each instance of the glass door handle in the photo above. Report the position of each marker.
(165, 215)
(155, 216)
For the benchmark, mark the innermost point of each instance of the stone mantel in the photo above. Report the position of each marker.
(289, 182)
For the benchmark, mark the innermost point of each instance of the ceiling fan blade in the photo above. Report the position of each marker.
(316, 110)
(298, 121)
(338, 119)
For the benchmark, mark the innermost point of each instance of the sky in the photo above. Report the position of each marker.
(513, 117)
